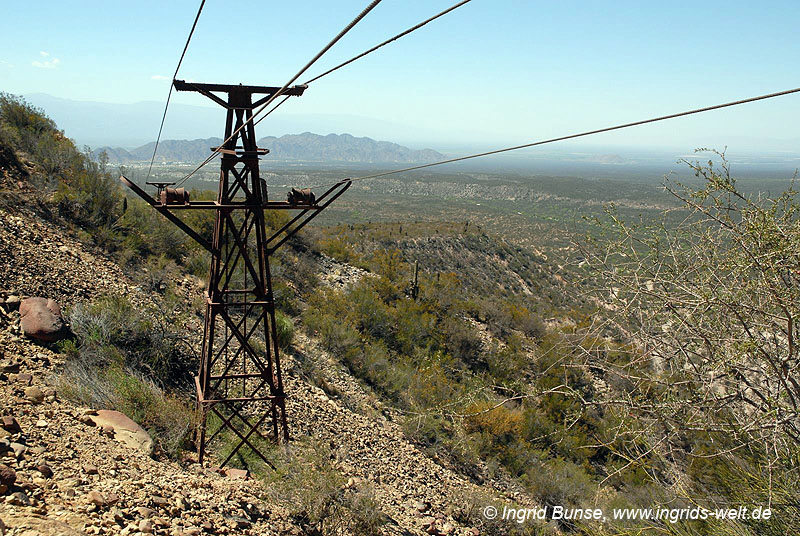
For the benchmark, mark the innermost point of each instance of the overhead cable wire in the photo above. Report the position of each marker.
(277, 94)
(371, 50)
(395, 38)
(272, 110)
(572, 136)
(174, 76)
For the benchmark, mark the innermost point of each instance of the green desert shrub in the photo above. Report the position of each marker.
(23, 125)
(120, 359)
(285, 328)
(462, 342)
(166, 417)
(112, 330)
(559, 482)
(469, 507)
(320, 498)
(338, 248)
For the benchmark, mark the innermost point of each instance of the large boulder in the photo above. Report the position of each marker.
(125, 430)
(41, 319)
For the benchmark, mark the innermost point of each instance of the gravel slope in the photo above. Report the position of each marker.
(98, 486)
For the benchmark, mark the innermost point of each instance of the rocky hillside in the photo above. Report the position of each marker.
(306, 147)
(414, 403)
(13, 173)
(62, 475)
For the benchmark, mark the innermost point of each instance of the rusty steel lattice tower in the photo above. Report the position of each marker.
(240, 393)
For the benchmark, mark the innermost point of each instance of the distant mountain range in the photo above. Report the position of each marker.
(131, 125)
(306, 147)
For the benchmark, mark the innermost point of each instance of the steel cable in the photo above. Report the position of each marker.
(169, 94)
(395, 38)
(277, 94)
(572, 136)
(371, 50)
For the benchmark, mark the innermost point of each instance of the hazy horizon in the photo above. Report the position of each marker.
(490, 74)
(129, 126)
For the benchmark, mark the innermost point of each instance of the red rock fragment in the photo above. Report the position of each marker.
(40, 319)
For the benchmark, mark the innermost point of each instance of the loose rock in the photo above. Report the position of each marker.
(96, 498)
(7, 475)
(90, 469)
(421, 506)
(145, 512)
(19, 499)
(125, 430)
(10, 424)
(24, 378)
(45, 469)
(19, 449)
(34, 394)
(10, 367)
(40, 319)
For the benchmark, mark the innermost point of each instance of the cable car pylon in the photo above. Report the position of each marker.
(240, 394)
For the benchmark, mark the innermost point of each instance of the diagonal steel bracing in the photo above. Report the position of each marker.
(239, 380)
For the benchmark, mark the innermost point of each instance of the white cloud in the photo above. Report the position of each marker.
(159, 77)
(51, 64)
(4, 63)
(46, 64)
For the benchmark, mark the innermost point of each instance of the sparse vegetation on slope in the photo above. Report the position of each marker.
(711, 373)
(509, 396)
(122, 360)
(667, 376)
(127, 355)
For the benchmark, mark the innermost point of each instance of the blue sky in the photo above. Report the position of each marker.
(493, 72)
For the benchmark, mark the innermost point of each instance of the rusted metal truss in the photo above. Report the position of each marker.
(240, 393)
